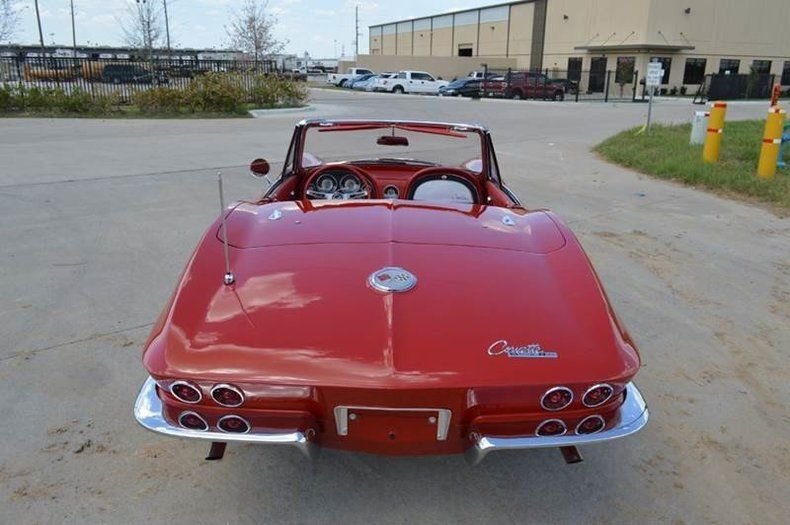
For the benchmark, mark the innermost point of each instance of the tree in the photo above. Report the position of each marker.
(142, 25)
(9, 20)
(251, 30)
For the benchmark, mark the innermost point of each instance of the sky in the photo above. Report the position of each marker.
(323, 28)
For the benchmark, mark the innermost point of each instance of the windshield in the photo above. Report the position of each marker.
(454, 149)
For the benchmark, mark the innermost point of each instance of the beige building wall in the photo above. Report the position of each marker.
(442, 36)
(421, 40)
(465, 37)
(521, 22)
(493, 39)
(404, 39)
(743, 30)
(571, 23)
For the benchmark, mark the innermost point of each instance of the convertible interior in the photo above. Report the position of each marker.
(444, 180)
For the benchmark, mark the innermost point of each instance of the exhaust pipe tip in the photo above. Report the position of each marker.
(571, 455)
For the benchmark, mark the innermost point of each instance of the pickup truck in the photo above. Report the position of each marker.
(524, 84)
(337, 79)
(412, 82)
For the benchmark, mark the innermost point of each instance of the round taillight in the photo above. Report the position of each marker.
(233, 425)
(597, 395)
(551, 427)
(192, 421)
(186, 392)
(590, 425)
(556, 398)
(227, 395)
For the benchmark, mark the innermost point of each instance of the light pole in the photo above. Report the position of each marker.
(40, 32)
(167, 29)
(73, 30)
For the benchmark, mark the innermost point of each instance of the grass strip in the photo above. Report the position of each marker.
(664, 152)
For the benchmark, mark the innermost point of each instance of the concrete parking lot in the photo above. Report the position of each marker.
(99, 217)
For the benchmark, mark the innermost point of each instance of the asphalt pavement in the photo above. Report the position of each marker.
(100, 216)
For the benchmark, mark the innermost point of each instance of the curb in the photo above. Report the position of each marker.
(258, 113)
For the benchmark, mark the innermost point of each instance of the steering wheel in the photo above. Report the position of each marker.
(445, 173)
(367, 188)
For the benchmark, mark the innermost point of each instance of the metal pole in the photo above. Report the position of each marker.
(40, 32)
(650, 107)
(356, 32)
(167, 28)
(73, 30)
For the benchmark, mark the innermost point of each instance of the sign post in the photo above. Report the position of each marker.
(653, 80)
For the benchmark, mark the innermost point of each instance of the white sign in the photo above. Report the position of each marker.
(655, 74)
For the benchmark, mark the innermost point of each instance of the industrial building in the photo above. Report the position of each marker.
(691, 38)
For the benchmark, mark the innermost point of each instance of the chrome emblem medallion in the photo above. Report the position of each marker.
(392, 279)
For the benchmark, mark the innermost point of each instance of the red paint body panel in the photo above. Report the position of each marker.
(301, 313)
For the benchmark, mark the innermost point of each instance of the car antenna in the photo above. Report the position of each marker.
(229, 278)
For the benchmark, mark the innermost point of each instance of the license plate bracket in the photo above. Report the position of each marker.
(408, 419)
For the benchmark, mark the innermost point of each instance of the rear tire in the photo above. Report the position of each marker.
(558, 96)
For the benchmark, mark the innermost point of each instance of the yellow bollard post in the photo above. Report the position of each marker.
(710, 151)
(772, 142)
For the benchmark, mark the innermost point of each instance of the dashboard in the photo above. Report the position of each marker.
(346, 182)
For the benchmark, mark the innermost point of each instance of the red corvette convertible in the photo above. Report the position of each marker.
(392, 303)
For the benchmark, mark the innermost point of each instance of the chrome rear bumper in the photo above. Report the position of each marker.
(633, 416)
(148, 412)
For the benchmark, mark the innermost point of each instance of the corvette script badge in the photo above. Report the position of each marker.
(392, 279)
(502, 347)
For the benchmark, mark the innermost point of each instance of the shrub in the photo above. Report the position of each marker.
(272, 91)
(683, 90)
(159, 100)
(218, 92)
(54, 100)
(7, 98)
(210, 93)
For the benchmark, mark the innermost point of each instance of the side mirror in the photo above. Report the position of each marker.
(259, 168)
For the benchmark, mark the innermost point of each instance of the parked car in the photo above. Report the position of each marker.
(480, 75)
(132, 74)
(308, 316)
(360, 81)
(463, 87)
(526, 84)
(415, 82)
(337, 79)
(571, 87)
(381, 83)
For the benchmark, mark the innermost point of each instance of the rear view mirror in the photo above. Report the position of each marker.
(259, 168)
(392, 140)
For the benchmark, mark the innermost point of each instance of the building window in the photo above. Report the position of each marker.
(761, 67)
(695, 71)
(786, 74)
(666, 65)
(465, 50)
(729, 66)
(575, 68)
(625, 70)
